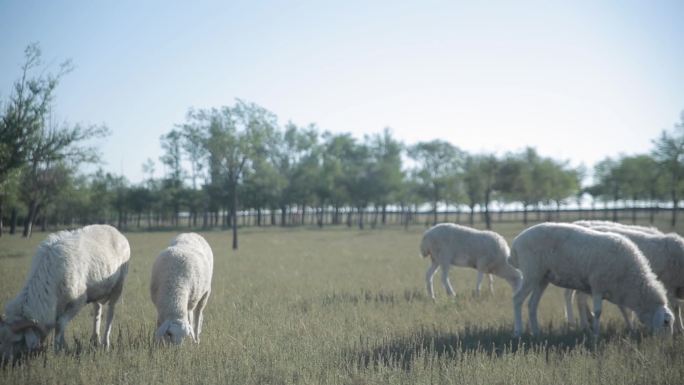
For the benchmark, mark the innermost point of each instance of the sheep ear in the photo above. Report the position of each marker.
(21, 326)
(162, 330)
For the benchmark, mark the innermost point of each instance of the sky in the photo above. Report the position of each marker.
(577, 80)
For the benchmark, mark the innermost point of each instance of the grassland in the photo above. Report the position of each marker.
(337, 306)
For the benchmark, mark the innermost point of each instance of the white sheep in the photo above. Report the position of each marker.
(665, 254)
(583, 307)
(606, 265)
(180, 288)
(69, 270)
(449, 244)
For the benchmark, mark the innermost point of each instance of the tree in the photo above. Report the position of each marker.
(53, 152)
(386, 173)
(23, 116)
(479, 178)
(173, 183)
(235, 136)
(669, 152)
(564, 182)
(437, 162)
(642, 180)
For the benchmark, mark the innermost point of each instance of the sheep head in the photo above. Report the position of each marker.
(173, 331)
(20, 337)
(661, 321)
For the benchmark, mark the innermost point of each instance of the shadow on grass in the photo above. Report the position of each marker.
(124, 338)
(425, 344)
(379, 297)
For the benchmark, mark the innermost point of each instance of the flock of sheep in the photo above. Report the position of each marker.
(639, 269)
(89, 265)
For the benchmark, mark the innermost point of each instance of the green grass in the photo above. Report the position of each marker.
(337, 306)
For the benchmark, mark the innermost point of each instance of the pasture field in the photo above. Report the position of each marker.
(337, 306)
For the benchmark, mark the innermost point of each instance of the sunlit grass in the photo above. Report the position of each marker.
(340, 306)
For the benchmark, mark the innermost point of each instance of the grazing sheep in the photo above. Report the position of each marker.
(180, 288)
(583, 308)
(606, 265)
(69, 270)
(665, 254)
(449, 244)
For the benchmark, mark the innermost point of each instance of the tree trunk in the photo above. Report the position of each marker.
(472, 215)
(434, 213)
(234, 216)
(30, 218)
(675, 205)
(384, 214)
(634, 210)
(360, 211)
(13, 221)
(283, 215)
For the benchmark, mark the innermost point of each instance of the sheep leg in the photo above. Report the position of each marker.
(533, 304)
(491, 283)
(445, 281)
(518, 299)
(569, 314)
(108, 325)
(597, 298)
(480, 275)
(428, 278)
(199, 318)
(97, 317)
(584, 315)
(627, 316)
(70, 312)
(111, 305)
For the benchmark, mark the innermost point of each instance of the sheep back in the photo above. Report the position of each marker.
(464, 246)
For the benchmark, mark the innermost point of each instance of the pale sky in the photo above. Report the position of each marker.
(578, 80)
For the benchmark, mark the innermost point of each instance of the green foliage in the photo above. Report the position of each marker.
(438, 165)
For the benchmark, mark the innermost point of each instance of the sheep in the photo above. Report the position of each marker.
(69, 270)
(607, 265)
(665, 254)
(584, 313)
(180, 287)
(449, 244)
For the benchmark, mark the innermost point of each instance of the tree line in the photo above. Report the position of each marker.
(223, 161)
